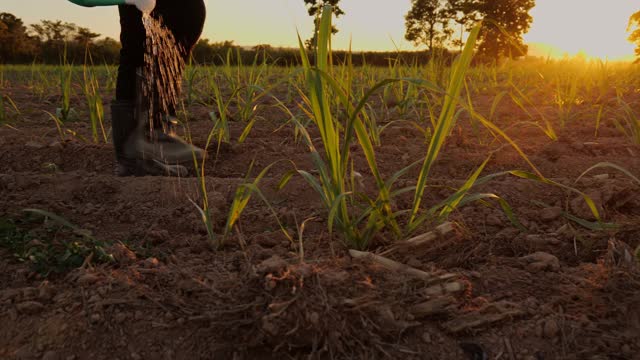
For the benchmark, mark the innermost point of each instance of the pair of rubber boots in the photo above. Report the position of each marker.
(143, 150)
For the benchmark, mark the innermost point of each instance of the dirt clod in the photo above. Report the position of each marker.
(30, 307)
(46, 292)
(120, 317)
(34, 145)
(151, 263)
(273, 264)
(551, 213)
(88, 279)
(494, 220)
(541, 261)
(426, 337)
(550, 329)
(626, 349)
(122, 254)
(159, 236)
(266, 240)
(50, 355)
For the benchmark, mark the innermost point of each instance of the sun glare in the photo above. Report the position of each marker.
(588, 28)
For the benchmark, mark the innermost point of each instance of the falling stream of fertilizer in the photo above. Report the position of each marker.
(162, 72)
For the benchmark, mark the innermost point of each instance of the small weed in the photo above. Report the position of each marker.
(49, 243)
(190, 77)
(65, 112)
(51, 167)
(629, 122)
(64, 132)
(91, 90)
(144, 249)
(241, 198)
(8, 109)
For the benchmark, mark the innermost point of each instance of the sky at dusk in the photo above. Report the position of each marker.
(593, 27)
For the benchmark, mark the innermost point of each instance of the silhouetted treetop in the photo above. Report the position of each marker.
(505, 21)
(314, 8)
(432, 23)
(634, 23)
(427, 23)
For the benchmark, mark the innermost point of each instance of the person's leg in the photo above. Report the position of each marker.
(184, 20)
(124, 122)
(132, 37)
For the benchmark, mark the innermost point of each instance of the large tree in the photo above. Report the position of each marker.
(62, 41)
(84, 36)
(427, 23)
(314, 8)
(15, 43)
(505, 21)
(634, 23)
(463, 13)
(54, 31)
(52, 42)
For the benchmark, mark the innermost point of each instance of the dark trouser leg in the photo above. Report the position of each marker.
(132, 37)
(123, 120)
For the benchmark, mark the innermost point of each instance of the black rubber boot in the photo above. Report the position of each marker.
(126, 137)
(161, 141)
(164, 144)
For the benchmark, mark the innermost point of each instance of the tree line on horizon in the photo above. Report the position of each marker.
(442, 24)
(439, 26)
(57, 42)
(50, 42)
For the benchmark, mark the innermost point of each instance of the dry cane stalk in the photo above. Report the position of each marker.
(432, 307)
(399, 267)
(421, 240)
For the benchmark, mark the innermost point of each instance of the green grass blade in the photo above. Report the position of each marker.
(56, 218)
(446, 119)
(612, 166)
(454, 201)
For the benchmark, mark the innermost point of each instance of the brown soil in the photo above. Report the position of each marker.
(169, 295)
